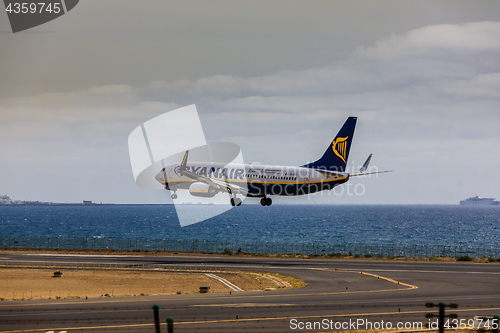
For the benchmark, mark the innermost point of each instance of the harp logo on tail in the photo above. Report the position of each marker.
(340, 147)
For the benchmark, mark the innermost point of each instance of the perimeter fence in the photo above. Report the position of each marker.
(262, 248)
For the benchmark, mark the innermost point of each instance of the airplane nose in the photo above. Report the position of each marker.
(160, 177)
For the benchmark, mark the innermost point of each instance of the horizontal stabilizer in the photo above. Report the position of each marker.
(369, 173)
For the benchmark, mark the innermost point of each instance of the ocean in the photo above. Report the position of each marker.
(328, 224)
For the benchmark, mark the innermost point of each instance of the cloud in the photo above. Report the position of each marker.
(430, 63)
(432, 40)
(426, 100)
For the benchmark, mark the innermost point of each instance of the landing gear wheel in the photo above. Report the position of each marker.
(174, 196)
(266, 201)
(235, 202)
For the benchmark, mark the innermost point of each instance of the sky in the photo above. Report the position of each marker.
(278, 78)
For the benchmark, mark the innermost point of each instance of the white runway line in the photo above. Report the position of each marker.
(224, 281)
(278, 281)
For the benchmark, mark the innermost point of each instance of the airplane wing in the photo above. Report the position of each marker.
(223, 186)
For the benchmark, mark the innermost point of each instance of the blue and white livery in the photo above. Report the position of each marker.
(205, 179)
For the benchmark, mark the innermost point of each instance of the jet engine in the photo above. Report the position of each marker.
(199, 189)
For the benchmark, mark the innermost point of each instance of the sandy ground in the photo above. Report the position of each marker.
(29, 283)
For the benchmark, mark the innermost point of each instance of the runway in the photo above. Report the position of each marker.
(390, 291)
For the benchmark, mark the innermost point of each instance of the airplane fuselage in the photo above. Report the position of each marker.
(260, 180)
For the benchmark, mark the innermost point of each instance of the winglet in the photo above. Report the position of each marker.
(365, 165)
(184, 161)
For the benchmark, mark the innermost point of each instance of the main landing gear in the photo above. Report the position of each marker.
(266, 201)
(174, 196)
(235, 202)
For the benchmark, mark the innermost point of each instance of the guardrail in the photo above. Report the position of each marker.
(118, 266)
(271, 248)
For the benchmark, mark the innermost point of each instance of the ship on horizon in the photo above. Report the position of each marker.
(477, 201)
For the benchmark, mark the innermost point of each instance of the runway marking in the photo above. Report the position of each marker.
(224, 281)
(278, 281)
(455, 298)
(410, 286)
(247, 320)
(327, 316)
(420, 271)
(243, 305)
(76, 312)
(78, 328)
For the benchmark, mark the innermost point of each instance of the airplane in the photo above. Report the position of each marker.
(206, 179)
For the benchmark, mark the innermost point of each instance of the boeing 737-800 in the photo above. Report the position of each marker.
(205, 179)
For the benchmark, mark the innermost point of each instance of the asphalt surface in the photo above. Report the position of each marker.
(394, 292)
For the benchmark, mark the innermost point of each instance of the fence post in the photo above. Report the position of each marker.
(170, 324)
(157, 318)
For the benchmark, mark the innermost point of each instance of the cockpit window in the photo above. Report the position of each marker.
(163, 170)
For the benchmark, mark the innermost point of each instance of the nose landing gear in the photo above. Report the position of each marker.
(174, 196)
(266, 201)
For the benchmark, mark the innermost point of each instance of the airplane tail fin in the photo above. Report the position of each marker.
(337, 153)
